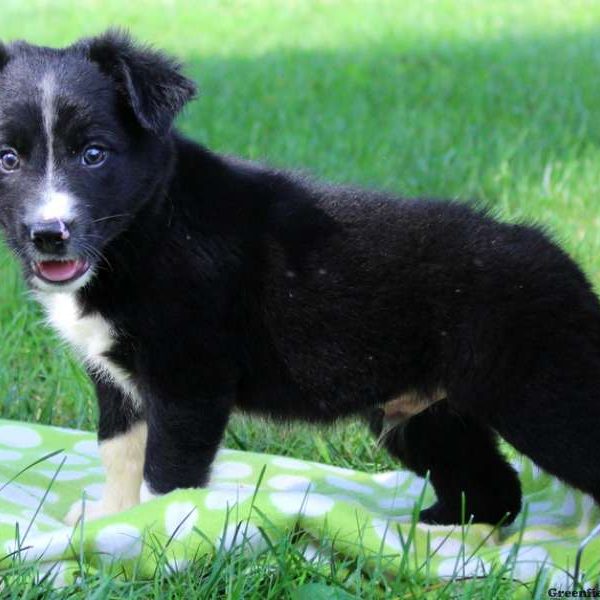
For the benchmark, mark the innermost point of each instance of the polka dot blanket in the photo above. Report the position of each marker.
(370, 512)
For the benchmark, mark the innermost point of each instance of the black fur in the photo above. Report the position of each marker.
(232, 285)
(3, 55)
(150, 81)
(440, 439)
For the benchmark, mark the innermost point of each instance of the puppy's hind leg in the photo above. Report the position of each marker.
(122, 437)
(461, 456)
(555, 420)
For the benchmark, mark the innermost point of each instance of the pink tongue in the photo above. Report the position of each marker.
(55, 270)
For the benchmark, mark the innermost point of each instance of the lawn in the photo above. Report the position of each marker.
(498, 101)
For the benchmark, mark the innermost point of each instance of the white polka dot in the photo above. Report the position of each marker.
(94, 490)
(569, 505)
(56, 572)
(180, 519)
(290, 463)
(231, 470)
(527, 562)
(63, 475)
(39, 492)
(70, 431)
(17, 436)
(24, 523)
(10, 455)
(26, 496)
(315, 554)
(541, 519)
(176, 564)
(563, 581)
(87, 447)
(387, 532)
(337, 470)
(291, 503)
(47, 545)
(397, 503)
(42, 519)
(391, 479)
(540, 507)
(119, 542)
(243, 534)
(311, 552)
(290, 483)
(354, 500)
(97, 471)
(70, 459)
(539, 535)
(415, 488)
(588, 505)
(146, 494)
(447, 546)
(536, 472)
(348, 484)
(222, 498)
(461, 567)
(517, 464)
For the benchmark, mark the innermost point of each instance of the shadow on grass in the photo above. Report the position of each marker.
(450, 119)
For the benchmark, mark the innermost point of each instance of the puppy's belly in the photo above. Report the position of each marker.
(408, 405)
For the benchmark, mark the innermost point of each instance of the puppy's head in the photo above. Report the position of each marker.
(84, 143)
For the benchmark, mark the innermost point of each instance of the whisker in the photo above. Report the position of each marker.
(118, 216)
(94, 252)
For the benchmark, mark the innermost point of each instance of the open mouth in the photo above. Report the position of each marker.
(61, 271)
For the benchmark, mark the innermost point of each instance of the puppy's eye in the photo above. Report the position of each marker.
(9, 160)
(94, 156)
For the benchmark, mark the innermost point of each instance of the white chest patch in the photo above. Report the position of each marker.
(91, 336)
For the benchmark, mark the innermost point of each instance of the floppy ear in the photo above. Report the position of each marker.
(150, 81)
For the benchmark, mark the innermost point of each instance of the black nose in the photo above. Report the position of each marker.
(50, 237)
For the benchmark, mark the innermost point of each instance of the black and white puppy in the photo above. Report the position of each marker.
(194, 284)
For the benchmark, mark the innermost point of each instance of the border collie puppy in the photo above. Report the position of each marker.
(194, 284)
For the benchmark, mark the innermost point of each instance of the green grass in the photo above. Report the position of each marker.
(492, 100)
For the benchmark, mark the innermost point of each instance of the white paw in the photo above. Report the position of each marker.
(92, 510)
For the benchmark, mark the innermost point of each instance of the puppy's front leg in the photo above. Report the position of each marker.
(122, 434)
(183, 439)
